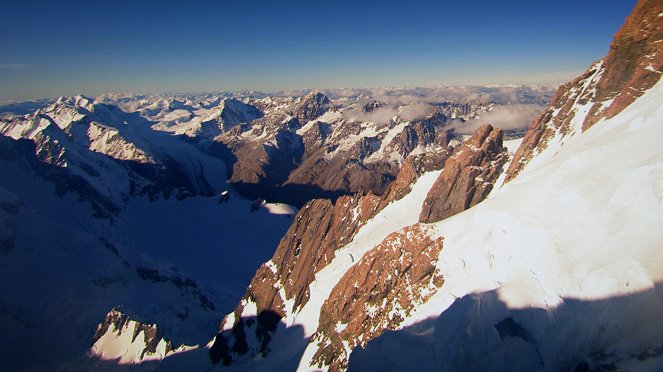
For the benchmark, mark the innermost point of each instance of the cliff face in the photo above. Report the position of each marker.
(468, 175)
(319, 229)
(281, 286)
(414, 167)
(377, 294)
(633, 65)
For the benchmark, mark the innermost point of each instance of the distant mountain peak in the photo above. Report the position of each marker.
(232, 112)
(79, 100)
(310, 107)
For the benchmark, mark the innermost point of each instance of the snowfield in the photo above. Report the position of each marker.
(559, 267)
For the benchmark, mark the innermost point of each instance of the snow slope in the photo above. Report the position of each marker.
(561, 267)
(174, 262)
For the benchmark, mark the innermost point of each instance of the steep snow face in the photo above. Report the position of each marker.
(116, 153)
(232, 112)
(128, 341)
(175, 262)
(109, 141)
(557, 269)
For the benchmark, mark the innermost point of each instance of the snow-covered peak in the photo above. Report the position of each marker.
(79, 100)
(232, 112)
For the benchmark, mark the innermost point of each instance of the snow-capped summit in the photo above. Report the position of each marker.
(232, 112)
(310, 106)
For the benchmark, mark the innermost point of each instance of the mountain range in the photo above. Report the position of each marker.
(447, 228)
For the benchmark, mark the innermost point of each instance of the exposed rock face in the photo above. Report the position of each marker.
(316, 137)
(313, 238)
(319, 229)
(634, 62)
(310, 107)
(312, 148)
(372, 105)
(270, 163)
(468, 175)
(346, 173)
(633, 65)
(232, 112)
(413, 167)
(372, 163)
(120, 338)
(377, 294)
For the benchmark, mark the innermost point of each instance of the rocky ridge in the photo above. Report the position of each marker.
(468, 176)
(129, 341)
(319, 229)
(633, 64)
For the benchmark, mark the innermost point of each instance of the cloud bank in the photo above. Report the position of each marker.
(505, 117)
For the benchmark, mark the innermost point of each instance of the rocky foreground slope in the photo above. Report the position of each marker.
(555, 269)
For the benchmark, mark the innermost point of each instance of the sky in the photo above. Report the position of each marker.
(55, 48)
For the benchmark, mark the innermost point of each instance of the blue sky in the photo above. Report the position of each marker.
(53, 48)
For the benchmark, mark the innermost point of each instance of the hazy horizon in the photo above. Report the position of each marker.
(52, 50)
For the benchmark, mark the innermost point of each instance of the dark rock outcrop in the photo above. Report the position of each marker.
(310, 107)
(468, 175)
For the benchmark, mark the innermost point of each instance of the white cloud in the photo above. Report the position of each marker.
(506, 117)
(515, 105)
(415, 111)
(380, 115)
